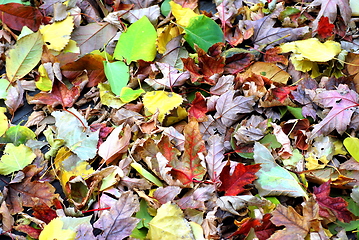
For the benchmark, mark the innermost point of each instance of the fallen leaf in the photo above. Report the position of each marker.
(182, 14)
(330, 206)
(189, 168)
(24, 56)
(215, 156)
(169, 223)
(16, 16)
(325, 28)
(118, 222)
(15, 158)
(198, 108)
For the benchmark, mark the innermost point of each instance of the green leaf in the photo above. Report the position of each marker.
(128, 94)
(351, 144)
(143, 215)
(165, 8)
(274, 180)
(138, 42)
(24, 57)
(82, 142)
(118, 75)
(15, 158)
(146, 174)
(296, 112)
(203, 31)
(17, 135)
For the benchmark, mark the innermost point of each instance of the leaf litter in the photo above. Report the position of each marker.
(161, 120)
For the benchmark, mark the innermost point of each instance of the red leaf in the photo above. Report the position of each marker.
(329, 205)
(44, 212)
(233, 184)
(325, 28)
(281, 93)
(60, 95)
(30, 231)
(198, 108)
(189, 168)
(233, 36)
(263, 228)
(16, 16)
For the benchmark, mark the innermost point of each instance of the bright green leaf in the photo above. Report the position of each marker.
(203, 31)
(128, 94)
(146, 174)
(18, 135)
(138, 42)
(118, 75)
(351, 144)
(24, 56)
(143, 215)
(15, 158)
(274, 180)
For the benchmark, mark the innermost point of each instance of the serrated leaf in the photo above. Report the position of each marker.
(203, 32)
(117, 74)
(15, 158)
(138, 42)
(189, 167)
(57, 35)
(351, 144)
(161, 101)
(274, 180)
(24, 56)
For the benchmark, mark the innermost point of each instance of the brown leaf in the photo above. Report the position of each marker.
(25, 193)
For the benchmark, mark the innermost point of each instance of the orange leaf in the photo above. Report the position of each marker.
(189, 168)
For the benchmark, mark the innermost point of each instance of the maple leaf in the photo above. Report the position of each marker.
(329, 205)
(25, 193)
(343, 102)
(118, 222)
(189, 168)
(325, 29)
(233, 184)
(207, 65)
(329, 8)
(198, 108)
(237, 63)
(215, 156)
(229, 107)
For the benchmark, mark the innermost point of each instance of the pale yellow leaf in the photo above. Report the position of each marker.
(57, 35)
(44, 83)
(4, 123)
(54, 230)
(15, 158)
(165, 35)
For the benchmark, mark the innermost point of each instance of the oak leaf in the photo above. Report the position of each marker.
(233, 184)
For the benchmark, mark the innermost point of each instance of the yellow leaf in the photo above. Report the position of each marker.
(72, 47)
(44, 83)
(54, 230)
(165, 35)
(161, 101)
(57, 35)
(313, 163)
(169, 223)
(312, 49)
(15, 158)
(182, 15)
(68, 168)
(176, 115)
(4, 123)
